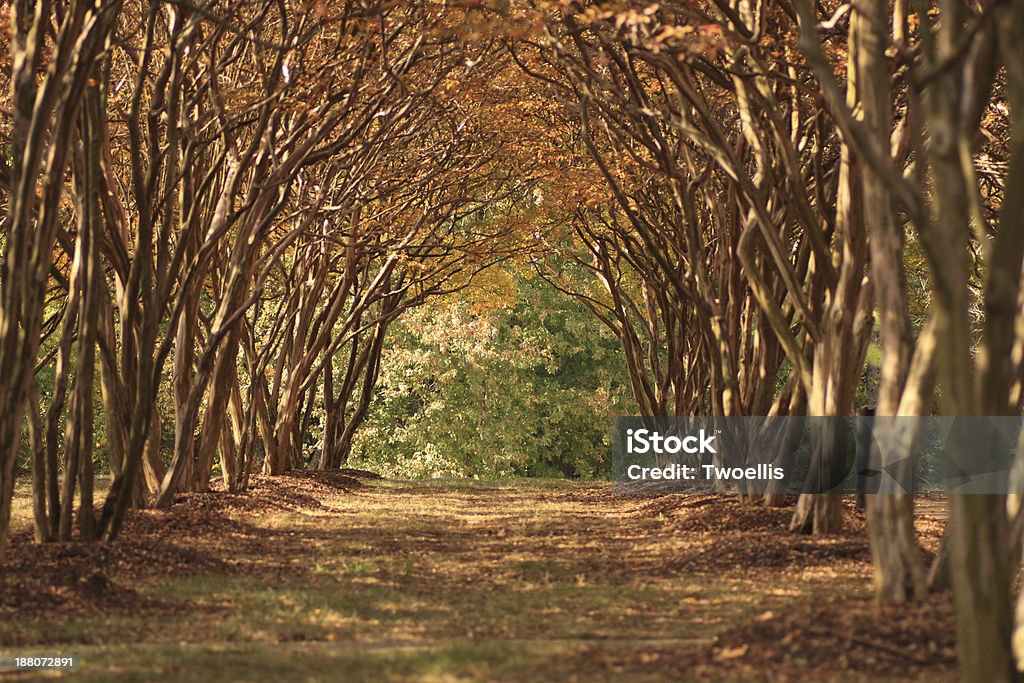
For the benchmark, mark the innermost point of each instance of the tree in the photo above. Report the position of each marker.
(951, 87)
(50, 74)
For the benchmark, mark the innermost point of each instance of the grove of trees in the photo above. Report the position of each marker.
(234, 223)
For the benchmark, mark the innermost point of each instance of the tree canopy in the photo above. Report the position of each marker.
(245, 238)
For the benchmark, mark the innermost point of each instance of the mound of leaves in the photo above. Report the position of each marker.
(201, 533)
(822, 639)
(726, 512)
(65, 580)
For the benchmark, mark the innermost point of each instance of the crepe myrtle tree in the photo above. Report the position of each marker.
(951, 98)
(209, 147)
(53, 50)
(661, 253)
(759, 179)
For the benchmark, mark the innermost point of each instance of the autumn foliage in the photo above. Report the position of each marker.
(219, 217)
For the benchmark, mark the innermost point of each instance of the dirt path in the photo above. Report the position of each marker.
(309, 576)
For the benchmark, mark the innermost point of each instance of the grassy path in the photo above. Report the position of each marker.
(314, 579)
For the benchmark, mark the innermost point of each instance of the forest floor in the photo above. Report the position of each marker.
(324, 577)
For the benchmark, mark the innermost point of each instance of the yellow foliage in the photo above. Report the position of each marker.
(491, 290)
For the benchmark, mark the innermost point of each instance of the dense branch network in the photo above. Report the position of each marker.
(214, 211)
